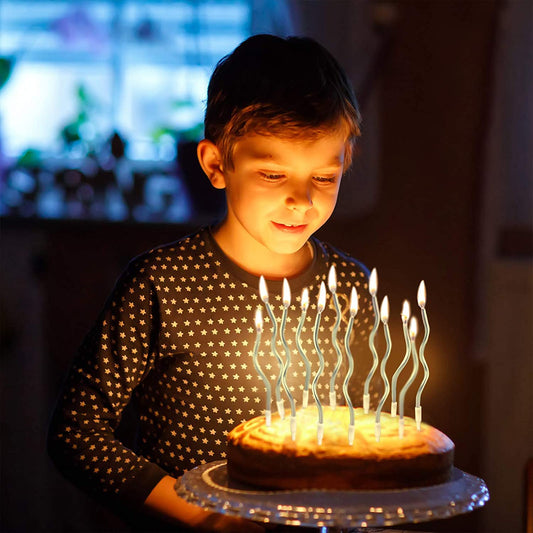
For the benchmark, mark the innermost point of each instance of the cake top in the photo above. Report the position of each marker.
(256, 434)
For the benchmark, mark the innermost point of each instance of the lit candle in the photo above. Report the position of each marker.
(320, 308)
(421, 296)
(373, 289)
(383, 372)
(354, 306)
(304, 306)
(332, 284)
(259, 330)
(406, 313)
(413, 330)
(263, 292)
(286, 304)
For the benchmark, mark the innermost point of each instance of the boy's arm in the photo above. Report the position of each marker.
(166, 504)
(112, 360)
(114, 357)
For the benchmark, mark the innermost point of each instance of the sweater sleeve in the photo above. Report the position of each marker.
(112, 360)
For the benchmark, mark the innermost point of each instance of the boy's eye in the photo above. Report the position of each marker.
(272, 177)
(325, 179)
(319, 179)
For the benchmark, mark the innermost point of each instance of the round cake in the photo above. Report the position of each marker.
(267, 457)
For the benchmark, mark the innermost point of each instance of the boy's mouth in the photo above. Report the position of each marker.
(290, 228)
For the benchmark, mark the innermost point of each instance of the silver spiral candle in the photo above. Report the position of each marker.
(304, 306)
(413, 330)
(263, 292)
(320, 308)
(406, 312)
(383, 369)
(332, 284)
(422, 304)
(354, 306)
(287, 362)
(259, 331)
(373, 289)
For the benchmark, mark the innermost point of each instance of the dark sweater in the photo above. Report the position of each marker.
(175, 339)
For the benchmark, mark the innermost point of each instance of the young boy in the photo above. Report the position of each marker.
(176, 336)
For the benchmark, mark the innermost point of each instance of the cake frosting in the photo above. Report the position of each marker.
(267, 457)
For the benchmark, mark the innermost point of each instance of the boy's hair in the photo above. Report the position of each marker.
(291, 88)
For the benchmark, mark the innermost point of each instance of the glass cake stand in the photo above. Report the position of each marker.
(208, 486)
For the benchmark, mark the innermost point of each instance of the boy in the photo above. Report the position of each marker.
(176, 335)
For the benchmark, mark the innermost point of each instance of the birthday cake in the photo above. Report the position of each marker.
(267, 456)
(339, 448)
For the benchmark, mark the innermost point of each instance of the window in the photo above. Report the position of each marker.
(95, 97)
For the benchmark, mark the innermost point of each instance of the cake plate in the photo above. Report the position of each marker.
(209, 487)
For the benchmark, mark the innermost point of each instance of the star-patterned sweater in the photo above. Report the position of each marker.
(176, 338)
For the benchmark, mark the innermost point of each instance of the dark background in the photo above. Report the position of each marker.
(433, 218)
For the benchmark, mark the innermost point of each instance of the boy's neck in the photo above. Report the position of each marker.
(261, 261)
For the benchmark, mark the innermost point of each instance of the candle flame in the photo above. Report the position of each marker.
(258, 320)
(332, 279)
(286, 293)
(406, 311)
(322, 298)
(354, 302)
(305, 299)
(373, 282)
(263, 291)
(421, 296)
(413, 328)
(384, 311)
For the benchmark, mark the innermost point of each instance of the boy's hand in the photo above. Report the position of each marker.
(165, 503)
(219, 523)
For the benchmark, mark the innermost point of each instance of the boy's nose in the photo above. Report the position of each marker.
(299, 198)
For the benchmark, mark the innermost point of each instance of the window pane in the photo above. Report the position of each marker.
(83, 72)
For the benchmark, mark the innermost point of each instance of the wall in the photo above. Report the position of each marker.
(55, 278)
(505, 276)
(434, 96)
(508, 409)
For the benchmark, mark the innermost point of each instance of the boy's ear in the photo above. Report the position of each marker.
(210, 160)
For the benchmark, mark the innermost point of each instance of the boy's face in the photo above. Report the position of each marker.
(281, 191)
